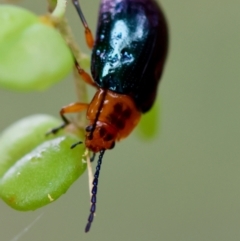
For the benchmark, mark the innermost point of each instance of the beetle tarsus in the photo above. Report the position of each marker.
(76, 144)
(56, 130)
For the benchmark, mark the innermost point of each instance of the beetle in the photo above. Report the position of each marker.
(127, 62)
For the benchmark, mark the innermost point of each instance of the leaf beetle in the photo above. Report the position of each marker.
(128, 57)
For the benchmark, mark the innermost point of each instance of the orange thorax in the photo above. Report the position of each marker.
(112, 117)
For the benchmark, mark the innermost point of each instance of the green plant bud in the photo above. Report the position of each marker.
(33, 56)
(35, 169)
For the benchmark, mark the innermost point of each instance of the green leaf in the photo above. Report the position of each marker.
(33, 56)
(36, 170)
(22, 137)
(149, 125)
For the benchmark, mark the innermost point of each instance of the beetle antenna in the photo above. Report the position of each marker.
(94, 192)
(80, 13)
(88, 33)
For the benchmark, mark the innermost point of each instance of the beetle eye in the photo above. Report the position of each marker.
(89, 128)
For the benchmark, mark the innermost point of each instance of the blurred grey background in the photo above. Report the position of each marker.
(182, 185)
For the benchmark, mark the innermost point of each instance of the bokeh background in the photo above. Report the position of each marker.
(184, 185)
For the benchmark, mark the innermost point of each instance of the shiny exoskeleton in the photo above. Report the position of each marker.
(130, 49)
(127, 62)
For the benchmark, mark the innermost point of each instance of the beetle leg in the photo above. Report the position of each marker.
(88, 33)
(72, 108)
(85, 76)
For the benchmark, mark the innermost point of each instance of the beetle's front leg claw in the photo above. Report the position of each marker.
(55, 130)
(75, 144)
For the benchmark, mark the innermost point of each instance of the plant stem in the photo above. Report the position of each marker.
(69, 38)
(59, 10)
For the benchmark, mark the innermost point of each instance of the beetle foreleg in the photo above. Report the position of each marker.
(72, 108)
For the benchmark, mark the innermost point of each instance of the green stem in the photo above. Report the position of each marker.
(66, 32)
(57, 15)
(59, 10)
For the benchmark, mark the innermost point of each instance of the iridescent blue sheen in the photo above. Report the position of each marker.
(130, 49)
